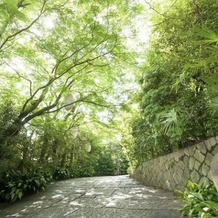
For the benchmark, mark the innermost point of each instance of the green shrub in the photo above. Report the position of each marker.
(87, 171)
(62, 173)
(73, 172)
(17, 184)
(201, 200)
(122, 167)
(105, 165)
(82, 171)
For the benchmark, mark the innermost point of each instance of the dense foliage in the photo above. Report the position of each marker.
(201, 200)
(62, 65)
(176, 85)
(66, 74)
(17, 184)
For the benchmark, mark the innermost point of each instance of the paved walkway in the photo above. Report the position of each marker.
(96, 197)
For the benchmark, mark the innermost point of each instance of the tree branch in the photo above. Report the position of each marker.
(10, 37)
(21, 76)
(197, 11)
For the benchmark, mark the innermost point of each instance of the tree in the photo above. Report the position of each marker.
(50, 54)
(60, 62)
(175, 101)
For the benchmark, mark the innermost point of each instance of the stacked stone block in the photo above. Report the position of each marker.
(173, 171)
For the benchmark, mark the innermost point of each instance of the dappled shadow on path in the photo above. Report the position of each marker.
(116, 196)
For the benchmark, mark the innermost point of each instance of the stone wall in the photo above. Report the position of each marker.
(173, 171)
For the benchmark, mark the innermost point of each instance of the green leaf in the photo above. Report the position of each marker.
(20, 194)
(208, 34)
(13, 196)
(213, 205)
(11, 6)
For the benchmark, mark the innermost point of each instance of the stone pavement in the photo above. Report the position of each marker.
(96, 197)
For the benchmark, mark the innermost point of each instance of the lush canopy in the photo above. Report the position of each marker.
(69, 102)
(177, 76)
(60, 63)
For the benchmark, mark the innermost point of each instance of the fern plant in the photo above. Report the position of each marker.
(201, 200)
(17, 184)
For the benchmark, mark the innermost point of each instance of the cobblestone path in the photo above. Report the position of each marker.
(96, 197)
